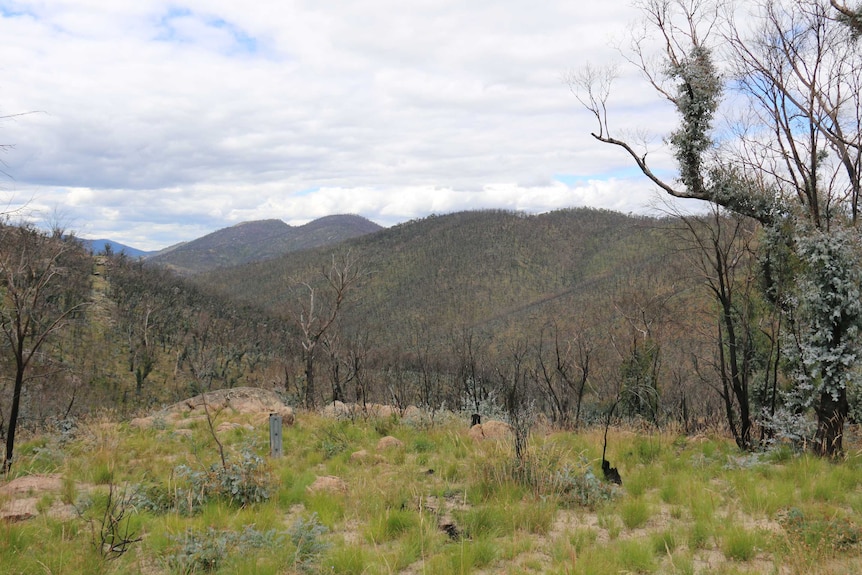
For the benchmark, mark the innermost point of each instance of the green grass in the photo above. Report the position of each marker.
(684, 504)
(739, 544)
(635, 513)
(392, 524)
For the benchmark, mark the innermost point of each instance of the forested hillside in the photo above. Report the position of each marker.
(572, 313)
(470, 268)
(468, 297)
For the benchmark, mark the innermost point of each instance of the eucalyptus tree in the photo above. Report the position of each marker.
(851, 17)
(783, 84)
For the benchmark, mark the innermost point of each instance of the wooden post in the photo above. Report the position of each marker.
(275, 446)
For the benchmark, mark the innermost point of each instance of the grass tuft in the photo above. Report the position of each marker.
(635, 513)
(739, 544)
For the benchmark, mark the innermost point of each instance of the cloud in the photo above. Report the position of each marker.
(161, 121)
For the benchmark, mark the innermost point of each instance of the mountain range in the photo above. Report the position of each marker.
(259, 240)
(109, 246)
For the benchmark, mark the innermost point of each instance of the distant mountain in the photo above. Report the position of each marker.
(260, 240)
(102, 246)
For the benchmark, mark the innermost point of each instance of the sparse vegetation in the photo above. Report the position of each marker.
(393, 516)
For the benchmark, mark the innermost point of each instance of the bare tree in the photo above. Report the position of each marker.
(512, 374)
(42, 287)
(723, 254)
(319, 310)
(790, 157)
(564, 369)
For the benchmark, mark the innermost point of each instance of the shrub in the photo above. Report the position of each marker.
(333, 440)
(112, 531)
(196, 551)
(243, 483)
(580, 486)
(819, 533)
(240, 484)
(305, 534)
(786, 427)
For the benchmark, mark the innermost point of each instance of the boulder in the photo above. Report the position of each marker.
(245, 400)
(362, 457)
(32, 485)
(496, 430)
(328, 483)
(389, 442)
(381, 411)
(19, 510)
(337, 409)
(141, 422)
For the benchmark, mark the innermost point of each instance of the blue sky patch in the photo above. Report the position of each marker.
(14, 10)
(169, 31)
(307, 191)
(569, 179)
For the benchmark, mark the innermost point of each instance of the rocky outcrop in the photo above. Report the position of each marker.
(259, 403)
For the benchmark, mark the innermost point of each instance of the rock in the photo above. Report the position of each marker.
(362, 456)
(32, 484)
(328, 483)
(337, 409)
(19, 510)
(180, 422)
(381, 411)
(496, 430)
(142, 422)
(229, 426)
(245, 400)
(389, 442)
(24, 493)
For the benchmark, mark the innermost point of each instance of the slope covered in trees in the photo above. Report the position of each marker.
(468, 269)
(447, 304)
(571, 314)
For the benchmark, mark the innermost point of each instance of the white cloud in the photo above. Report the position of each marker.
(161, 121)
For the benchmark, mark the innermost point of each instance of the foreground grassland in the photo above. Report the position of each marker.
(435, 502)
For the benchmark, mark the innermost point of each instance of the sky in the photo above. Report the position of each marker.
(151, 123)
